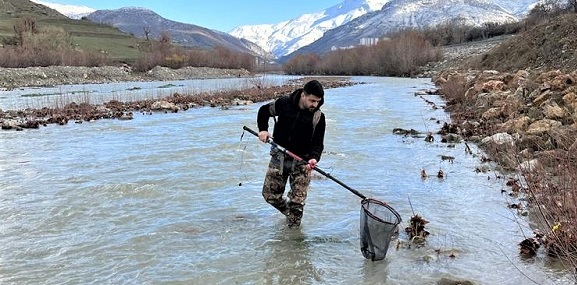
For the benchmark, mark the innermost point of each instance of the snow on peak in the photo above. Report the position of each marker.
(285, 37)
(70, 11)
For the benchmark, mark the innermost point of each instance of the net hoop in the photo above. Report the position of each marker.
(379, 222)
(366, 201)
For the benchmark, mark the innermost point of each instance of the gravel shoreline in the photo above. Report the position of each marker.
(80, 112)
(11, 78)
(454, 56)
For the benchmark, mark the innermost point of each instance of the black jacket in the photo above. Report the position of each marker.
(294, 127)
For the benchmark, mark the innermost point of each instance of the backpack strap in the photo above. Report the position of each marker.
(271, 108)
(316, 119)
(272, 111)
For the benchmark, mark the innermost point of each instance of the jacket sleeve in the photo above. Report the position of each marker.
(264, 113)
(318, 146)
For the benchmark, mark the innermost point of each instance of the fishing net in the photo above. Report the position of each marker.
(379, 223)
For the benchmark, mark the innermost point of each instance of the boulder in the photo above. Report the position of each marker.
(541, 126)
(499, 139)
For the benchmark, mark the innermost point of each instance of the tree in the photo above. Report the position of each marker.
(147, 33)
(24, 27)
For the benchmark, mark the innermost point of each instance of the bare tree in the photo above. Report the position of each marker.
(164, 43)
(23, 27)
(147, 33)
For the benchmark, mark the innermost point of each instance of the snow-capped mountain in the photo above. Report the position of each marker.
(518, 8)
(350, 21)
(285, 37)
(70, 11)
(401, 14)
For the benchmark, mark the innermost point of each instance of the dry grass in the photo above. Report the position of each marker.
(550, 45)
(552, 194)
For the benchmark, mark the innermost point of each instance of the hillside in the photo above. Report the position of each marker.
(85, 35)
(17, 8)
(144, 23)
(548, 46)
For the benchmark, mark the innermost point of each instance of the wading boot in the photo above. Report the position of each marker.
(282, 206)
(295, 215)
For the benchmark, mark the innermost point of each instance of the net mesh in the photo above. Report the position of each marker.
(379, 223)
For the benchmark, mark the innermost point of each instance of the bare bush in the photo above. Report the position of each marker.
(552, 187)
(303, 64)
(402, 55)
(159, 54)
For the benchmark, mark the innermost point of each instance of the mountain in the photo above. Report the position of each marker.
(285, 37)
(17, 8)
(400, 14)
(342, 25)
(136, 20)
(70, 11)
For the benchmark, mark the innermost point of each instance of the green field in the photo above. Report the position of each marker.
(85, 35)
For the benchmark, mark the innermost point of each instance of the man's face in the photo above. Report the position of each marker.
(309, 102)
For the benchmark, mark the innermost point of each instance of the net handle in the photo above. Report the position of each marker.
(296, 157)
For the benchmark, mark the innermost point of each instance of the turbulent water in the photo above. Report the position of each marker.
(175, 199)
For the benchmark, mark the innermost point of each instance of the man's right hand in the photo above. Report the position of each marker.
(263, 136)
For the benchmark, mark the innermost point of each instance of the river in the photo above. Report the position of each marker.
(175, 199)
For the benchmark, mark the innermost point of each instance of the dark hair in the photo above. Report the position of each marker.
(314, 87)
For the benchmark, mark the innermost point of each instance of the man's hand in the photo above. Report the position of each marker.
(263, 136)
(312, 163)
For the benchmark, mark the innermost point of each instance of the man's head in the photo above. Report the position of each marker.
(312, 96)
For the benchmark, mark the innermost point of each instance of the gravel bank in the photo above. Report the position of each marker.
(454, 56)
(60, 75)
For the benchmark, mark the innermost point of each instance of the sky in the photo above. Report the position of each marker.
(222, 15)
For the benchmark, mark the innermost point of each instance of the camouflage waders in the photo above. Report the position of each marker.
(280, 170)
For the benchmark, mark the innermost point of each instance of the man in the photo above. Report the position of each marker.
(300, 128)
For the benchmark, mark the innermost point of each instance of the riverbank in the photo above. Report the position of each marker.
(518, 101)
(79, 112)
(11, 78)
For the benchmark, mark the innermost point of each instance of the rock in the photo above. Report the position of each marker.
(552, 111)
(493, 85)
(163, 106)
(516, 124)
(541, 126)
(447, 281)
(499, 139)
(528, 166)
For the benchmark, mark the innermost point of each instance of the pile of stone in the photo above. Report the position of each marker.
(527, 112)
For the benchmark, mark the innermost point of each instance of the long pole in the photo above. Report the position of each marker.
(287, 152)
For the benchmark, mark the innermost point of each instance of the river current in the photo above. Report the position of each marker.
(176, 199)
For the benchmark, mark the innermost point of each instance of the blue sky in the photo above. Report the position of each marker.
(222, 15)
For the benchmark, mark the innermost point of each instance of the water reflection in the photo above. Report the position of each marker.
(375, 272)
(288, 259)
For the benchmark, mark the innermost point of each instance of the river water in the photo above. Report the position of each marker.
(175, 199)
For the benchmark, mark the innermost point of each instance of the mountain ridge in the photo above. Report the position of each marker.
(401, 14)
(143, 22)
(287, 36)
(344, 24)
